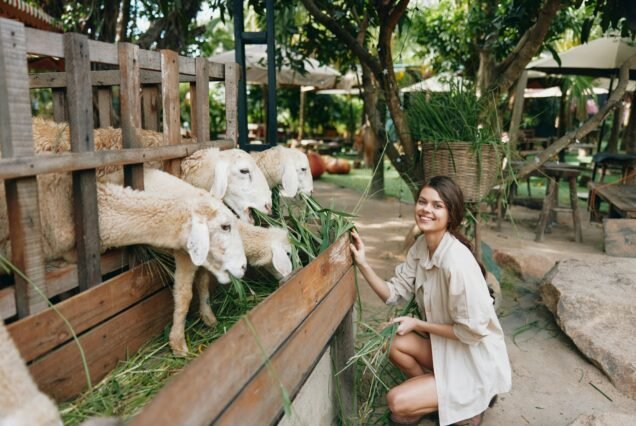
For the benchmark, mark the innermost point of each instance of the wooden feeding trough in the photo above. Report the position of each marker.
(238, 379)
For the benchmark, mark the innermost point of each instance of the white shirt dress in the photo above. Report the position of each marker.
(449, 288)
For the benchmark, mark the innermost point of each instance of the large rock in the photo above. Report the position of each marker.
(528, 265)
(604, 419)
(594, 303)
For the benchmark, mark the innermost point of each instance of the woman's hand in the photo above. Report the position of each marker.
(358, 249)
(407, 324)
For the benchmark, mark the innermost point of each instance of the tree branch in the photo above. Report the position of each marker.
(343, 35)
(396, 14)
(614, 99)
(513, 65)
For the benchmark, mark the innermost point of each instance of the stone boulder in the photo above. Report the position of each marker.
(604, 419)
(594, 303)
(526, 264)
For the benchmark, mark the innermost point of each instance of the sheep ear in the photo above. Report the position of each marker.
(281, 261)
(219, 186)
(198, 244)
(290, 181)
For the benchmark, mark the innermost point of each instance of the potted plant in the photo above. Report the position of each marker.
(457, 137)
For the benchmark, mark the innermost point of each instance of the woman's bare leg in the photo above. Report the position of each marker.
(412, 354)
(415, 397)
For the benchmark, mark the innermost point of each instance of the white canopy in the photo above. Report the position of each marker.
(600, 57)
(319, 76)
(439, 83)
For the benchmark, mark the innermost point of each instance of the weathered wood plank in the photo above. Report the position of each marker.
(104, 107)
(16, 140)
(622, 197)
(60, 373)
(171, 109)
(61, 279)
(217, 71)
(130, 105)
(261, 402)
(232, 76)
(273, 321)
(150, 107)
(11, 168)
(99, 78)
(80, 106)
(38, 334)
(342, 349)
(201, 102)
(60, 113)
(620, 237)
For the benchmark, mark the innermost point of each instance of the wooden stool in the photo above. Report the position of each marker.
(551, 204)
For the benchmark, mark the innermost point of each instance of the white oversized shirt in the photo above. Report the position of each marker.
(449, 288)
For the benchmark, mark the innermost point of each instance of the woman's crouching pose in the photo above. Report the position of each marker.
(456, 357)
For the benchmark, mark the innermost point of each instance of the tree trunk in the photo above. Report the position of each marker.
(612, 145)
(371, 106)
(629, 137)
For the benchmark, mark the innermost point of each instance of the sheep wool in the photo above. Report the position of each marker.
(21, 402)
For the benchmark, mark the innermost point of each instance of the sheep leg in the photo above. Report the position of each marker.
(182, 293)
(202, 282)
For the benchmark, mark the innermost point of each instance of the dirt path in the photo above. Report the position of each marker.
(552, 382)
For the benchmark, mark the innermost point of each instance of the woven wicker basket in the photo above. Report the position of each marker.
(475, 175)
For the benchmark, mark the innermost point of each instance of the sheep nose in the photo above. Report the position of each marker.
(268, 208)
(244, 267)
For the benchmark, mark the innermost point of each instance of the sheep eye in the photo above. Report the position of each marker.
(245, 171)
(226, 227)
(304, 169)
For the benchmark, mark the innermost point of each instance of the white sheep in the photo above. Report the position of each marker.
(264, 247)
(231, 175)
(21, 402)
(158, 182)
(287, 167)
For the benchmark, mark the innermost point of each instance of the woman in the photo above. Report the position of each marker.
(455, 358)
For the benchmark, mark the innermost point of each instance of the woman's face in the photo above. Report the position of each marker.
(431, 213)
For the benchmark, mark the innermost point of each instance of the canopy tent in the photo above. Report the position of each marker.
(316, 75)
(599, 58)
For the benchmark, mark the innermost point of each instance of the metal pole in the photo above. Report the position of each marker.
(239, 54)
(272, 125)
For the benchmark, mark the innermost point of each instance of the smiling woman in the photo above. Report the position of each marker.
(455, 356)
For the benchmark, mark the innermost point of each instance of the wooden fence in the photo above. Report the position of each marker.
(238, 379)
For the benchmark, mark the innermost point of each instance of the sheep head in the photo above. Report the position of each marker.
(214, 242)
(281, 265)
(296, 173)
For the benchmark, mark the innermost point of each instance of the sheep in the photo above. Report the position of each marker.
(156, 181)
(231, 175)
(21, 402)
(287, 167)
(264, 247)
(203, 228)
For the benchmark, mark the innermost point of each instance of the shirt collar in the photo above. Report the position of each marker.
(436, 260)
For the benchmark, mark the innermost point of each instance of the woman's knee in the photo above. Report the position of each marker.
(395, 401)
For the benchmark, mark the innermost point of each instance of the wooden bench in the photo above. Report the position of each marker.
(620, 197)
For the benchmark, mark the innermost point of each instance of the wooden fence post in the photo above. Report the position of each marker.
(200, 102)
(16, 140)
(232, 76)
(80, 106)
(342, 349)
(170, 100)
(130, 104)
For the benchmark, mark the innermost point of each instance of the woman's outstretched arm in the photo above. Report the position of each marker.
(359, 254)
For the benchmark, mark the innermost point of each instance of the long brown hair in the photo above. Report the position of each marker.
(453, 198)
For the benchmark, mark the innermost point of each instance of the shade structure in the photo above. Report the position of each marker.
(316, 75)
(555, 92)
(439, 83)
(599, 58)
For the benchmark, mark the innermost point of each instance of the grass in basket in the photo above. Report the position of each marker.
(134, 382)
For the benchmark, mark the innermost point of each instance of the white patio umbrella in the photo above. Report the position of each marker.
(601, 58)
(439, 83)
(555, 92)
(316, 75)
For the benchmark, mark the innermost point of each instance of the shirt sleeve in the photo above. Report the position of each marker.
(469, 303)
(401, 285)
